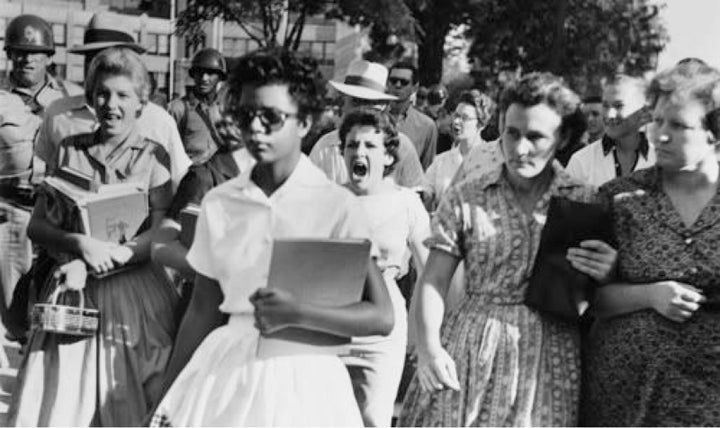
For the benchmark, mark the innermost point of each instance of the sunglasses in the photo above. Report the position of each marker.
(398, 81)
(271, 118)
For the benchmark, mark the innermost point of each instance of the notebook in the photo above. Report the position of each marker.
(328, 272)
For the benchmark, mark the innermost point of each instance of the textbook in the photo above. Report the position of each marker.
(109, 212)
(188, 218)
(328, 272)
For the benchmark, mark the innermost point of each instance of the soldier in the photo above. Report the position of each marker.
(28, 90)
(198, 112)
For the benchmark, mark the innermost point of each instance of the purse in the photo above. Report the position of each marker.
(554, 284)
(65, 319)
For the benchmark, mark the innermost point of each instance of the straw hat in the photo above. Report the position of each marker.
(105, 30)
(365, 80)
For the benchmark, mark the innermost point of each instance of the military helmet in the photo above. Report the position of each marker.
(29, 33)
(209, 59)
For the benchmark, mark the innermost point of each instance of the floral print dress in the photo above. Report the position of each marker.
(516, 366)
(642, 368)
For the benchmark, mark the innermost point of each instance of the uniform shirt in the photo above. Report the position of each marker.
(238, 223)
(72, 115)
(422, 131)
(595, 164)
(20, 118)
(326, 155)
(196, 123)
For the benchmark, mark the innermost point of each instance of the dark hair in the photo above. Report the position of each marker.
(437, 94)
(381, 121)
(484, 105)
(406, 65)
(592, 99)
(542, 88)
(306, 84)
(691, 80)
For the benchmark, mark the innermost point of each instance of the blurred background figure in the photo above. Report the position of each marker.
(592, 108)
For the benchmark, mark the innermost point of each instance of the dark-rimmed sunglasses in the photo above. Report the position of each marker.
(271, 118)
(398, 81)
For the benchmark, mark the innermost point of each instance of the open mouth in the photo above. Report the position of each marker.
(359, 168)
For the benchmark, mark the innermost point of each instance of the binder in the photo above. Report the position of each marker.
(188, 219)
(329, 272)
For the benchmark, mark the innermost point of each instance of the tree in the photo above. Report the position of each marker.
(267, 22)
(581, 40)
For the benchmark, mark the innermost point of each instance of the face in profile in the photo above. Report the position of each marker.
(365, 157)
(117, 104)
(594, 115)
(623, 109)
(267, 115)
(679, 134)
(529, 139)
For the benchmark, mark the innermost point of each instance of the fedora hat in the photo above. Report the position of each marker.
(103, 31)
(365, 80)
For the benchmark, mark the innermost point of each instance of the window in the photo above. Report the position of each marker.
(59, 34)
(76, 38)
(163, 45)
(161, 79)
(3, 24)
(151, 43)
(75, 73)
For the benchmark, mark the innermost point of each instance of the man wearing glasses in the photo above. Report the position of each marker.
(421, 129)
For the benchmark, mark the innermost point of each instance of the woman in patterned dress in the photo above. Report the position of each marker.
(113, 378)
(654, 353)
(496, 362)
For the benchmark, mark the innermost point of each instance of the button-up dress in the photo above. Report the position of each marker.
(516, 366)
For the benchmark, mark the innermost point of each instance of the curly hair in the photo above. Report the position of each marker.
(543, 88)
(306, 84)
(381, 121)
(484, 105)
(118, 61)
(691, 80)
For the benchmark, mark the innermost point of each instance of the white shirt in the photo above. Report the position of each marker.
(595, 164)
(326, 155)
(238, 223)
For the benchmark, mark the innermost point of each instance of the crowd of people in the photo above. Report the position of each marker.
(455, 220)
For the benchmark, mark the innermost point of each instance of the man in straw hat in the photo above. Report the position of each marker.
(365, 85)
(28, 90)
(73, 115)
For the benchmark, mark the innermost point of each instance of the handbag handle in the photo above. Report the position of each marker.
(62, 288)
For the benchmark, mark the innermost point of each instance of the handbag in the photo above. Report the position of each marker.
(67, 319)
(555, 285)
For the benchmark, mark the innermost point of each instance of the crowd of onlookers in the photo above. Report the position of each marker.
(453, 191)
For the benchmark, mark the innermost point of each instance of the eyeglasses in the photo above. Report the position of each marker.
(398, 81)
(271, 118)
(463, 118)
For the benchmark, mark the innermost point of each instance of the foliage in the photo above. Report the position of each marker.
(262, 20)
(582, 40)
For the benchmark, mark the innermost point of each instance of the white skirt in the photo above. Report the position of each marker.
(225, 384)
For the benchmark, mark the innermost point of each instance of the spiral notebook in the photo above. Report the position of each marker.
(328, 272)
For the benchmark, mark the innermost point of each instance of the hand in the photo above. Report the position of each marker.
(274, 309)
(72, 275)
(229, 131)
(97, 254)
(595, 258)
(640, 117)
(121, 255)
(436, 371)
(674, 300)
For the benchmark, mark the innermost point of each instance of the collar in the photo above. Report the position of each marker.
(305, 174)
(608, 144)
(561, 180)
(50, 82)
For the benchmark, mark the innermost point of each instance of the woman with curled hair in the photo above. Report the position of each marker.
(112, 378)
(473, 112)
(491, 360)
(653, 352)
(399, 222)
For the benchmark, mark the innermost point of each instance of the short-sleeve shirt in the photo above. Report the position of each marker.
(238, 223)
(70, 116)
(595, 164)
(326, 155)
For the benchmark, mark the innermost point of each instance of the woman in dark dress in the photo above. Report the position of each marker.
(654, 354)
